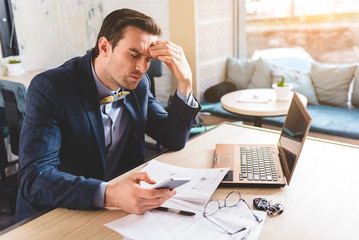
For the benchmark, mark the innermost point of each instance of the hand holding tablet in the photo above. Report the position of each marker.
(171, 183)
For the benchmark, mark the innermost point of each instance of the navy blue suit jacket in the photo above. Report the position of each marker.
(62, 146)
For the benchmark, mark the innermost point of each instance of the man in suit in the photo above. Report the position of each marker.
(75, 138)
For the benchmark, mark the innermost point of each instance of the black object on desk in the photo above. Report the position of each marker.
(186, 213)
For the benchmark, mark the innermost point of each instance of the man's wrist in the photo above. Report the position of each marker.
(185, 86)
(99, 197)
(188, 99)
(185, 90)
(108, 200)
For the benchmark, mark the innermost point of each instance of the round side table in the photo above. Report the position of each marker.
(252, 102)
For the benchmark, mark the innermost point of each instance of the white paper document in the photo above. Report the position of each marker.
(201, 187)
(191, 196)
(252, 97)
(167, 225)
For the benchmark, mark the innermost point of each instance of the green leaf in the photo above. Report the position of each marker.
(11, 61)
(280, 82)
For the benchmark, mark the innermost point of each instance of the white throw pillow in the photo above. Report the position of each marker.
(355, 93)
(262, 74)
(301, 83)
(331, 83)
(240, 71)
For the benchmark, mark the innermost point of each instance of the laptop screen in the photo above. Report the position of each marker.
(293, 134)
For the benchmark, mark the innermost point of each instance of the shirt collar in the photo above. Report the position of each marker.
(102, 90)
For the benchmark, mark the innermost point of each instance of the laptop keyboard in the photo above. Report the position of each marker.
(257, 164)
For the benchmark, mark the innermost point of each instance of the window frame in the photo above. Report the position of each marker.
(9, 45)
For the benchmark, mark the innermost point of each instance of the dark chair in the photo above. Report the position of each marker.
(155, 70)
(12, 105)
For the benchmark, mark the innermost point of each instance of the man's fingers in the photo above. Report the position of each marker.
(162, 43)
(155, 193)
(165, 52)
(128, 194)
(166, 48)
(168, 60)
(172, 47)
(144, 204)
(137, 177)
(157, 201)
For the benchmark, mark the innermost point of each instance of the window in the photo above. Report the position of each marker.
(7, 30)
(327, 29)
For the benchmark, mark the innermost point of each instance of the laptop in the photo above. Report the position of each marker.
(266, 165)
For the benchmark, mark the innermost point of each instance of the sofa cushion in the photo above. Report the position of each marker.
(265, 74)
(335, 121)
(295, 64)
(301, 83)
(240, 71)
(355, 93)
(326, 119)
(262, 74)
(295, 58)
(332, 83)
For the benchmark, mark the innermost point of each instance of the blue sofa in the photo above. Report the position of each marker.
(332, 91)
(330, 120)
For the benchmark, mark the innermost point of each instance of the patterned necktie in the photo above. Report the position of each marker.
(114, 97)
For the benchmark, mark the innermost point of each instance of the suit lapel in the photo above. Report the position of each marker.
(131, 104)
(133, 108)
(89, 97)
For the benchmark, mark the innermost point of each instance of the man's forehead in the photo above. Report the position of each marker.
(138, 38)
(140, 51)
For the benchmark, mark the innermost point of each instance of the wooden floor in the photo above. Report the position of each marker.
(214, 120)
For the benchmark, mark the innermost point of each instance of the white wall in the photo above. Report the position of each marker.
(214, 36)
(52, 31)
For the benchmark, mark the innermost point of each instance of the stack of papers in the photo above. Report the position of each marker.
(156, 225)
(191, 196)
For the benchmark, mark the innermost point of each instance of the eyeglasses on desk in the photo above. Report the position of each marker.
(233, 199)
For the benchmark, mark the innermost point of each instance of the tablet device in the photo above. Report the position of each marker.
(171, 183)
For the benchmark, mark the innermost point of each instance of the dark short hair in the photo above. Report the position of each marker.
(114, 24)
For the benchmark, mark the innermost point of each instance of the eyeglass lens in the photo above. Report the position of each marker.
(211, 207)
(232, 199)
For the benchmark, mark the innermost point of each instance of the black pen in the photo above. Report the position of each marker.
(186, 213)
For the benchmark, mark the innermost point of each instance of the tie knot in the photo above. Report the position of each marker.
(114, 97)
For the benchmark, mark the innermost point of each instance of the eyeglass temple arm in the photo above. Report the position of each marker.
(254, 215)
(230, 233)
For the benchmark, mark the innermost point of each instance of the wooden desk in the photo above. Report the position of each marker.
(320, 203)
(24, 78)
(271, 108)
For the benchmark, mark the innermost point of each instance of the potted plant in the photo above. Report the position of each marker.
(282, 90)
(14, 67)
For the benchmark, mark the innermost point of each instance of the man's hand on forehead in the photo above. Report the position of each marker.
(161, 48)
(149, 47)
(173, 56)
